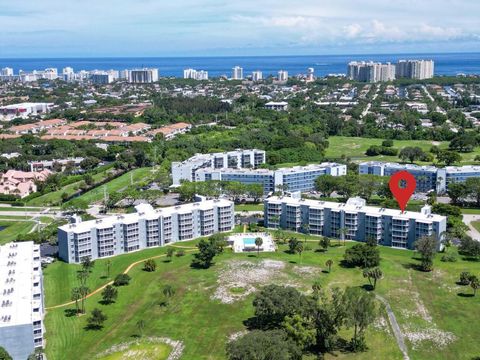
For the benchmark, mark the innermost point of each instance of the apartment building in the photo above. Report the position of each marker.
(146, 228)
(370, 71)
(415, 69)
(257, 75)
(195, 74)
(296, 178)
(237, 73)
(427, 177)
(51, 165)
(24, 110)
(22, 301)
(186, 170)
(142, 76)
(354, 221)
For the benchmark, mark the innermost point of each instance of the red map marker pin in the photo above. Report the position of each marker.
(402, 194)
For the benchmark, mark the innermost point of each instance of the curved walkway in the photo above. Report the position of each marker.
(96, 291)
(395, 327)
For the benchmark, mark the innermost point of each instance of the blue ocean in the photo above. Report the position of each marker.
(445, 64)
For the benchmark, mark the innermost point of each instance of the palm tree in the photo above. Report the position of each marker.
(83, 293)
(168, 291)
(329, 264)
(316, 287)
(76, 295)
(299, 249)
(343, 233)
(474, 284)
(108, 265)
(306, 230)
(258, 243)
(373, 275)
(140, 326)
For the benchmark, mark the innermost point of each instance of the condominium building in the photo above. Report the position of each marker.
(257, 75)
(195, 74)
(371, 71)
(459, 174)
(282, 75)
(415, 69)
(297, 178)
(186, 170)
(6, 71)
(23, 110)
(104, 77)
(237, 73)
(427, 177)
(146, 228)
(277, 105)
(142, 76)
(354, 221)
(22, 302)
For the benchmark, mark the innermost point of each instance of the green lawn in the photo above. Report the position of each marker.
(470, 211)
(121, 183)
(355, 147)
(476, 224)
(55, 197)
(249, 207)
(12, 229)
(19, 209)
(424, 303)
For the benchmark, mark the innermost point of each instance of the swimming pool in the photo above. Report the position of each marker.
(249, 241)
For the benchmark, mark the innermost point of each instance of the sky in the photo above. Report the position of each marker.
(90, 28)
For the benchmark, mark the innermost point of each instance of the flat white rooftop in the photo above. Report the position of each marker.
(354, 206)
(17, 277)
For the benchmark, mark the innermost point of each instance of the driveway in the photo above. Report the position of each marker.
(467, 219)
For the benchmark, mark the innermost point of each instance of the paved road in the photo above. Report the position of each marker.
(396, 328)
(467, 219)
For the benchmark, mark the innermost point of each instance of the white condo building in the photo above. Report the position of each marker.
(142, 76)
(146, 228)
(195, 74)
(187, 169)
(415, 69)
(237, 73)
(427, 177)
(257, 75)
(282, 75)
(371, 71)
(354, 221)
(296, 178)
(22, 303)
(6, 71)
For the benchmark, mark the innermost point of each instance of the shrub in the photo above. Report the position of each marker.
(180, 253)
(465, 278)
(122, 280)
(449, 258)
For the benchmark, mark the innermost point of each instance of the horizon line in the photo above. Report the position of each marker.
(235, 56)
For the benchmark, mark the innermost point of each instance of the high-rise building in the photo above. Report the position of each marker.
(6, 71)
(22, 310)
(354, 221)
(102, 77)
(415, 69)
(257, 75)
(146, 228)
(142, 76)
(237, 73)
(50, 74)
(68, 74)
(370, 71)
(310, 74)
(282, 75)
(195, 74)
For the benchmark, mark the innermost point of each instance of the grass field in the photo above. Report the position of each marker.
(476, 225)
(119, 184)
(249, 207)
(355, 147)
(13, 228)
(427, 305)
(55, 197)
(470, 211)
(19, 209)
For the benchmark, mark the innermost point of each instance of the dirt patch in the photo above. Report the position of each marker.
(306, 270)
(237, 335)
(175, 354)
(246, 275)
(381, 324)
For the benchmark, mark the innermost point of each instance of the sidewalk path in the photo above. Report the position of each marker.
(467, 219)
(395, 327)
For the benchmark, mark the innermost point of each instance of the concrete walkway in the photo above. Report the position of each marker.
(395, 327)
(467, 219)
